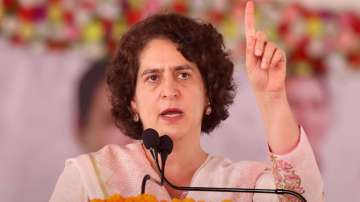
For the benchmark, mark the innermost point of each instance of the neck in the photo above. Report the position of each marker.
(187, 154)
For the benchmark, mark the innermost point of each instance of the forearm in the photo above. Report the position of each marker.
(281, 126)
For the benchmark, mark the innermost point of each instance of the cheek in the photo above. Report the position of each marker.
(196, 99)
(145, 106)
(144, 97)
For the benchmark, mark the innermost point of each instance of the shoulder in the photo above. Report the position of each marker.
(109, 153)
(114, 150)
(94, 170)
(69, 186)
(109, 159)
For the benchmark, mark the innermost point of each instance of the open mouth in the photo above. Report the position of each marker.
(171, 113)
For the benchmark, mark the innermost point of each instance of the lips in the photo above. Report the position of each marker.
(171, 113)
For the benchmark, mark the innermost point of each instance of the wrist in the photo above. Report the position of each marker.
(274, 108)
(271, 99)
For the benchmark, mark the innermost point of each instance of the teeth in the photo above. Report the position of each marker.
(172, 114)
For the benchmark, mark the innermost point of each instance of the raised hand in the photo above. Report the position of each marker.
(265, 61)
(266, 69)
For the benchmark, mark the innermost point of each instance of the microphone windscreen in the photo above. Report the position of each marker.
(166, 144)
(150, 138)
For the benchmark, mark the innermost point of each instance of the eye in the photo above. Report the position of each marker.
(183, 75)
(152, 78)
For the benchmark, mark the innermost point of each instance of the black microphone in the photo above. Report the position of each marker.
(151, 141)
(167, 145)
(165, 148)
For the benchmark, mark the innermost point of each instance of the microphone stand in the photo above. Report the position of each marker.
(222, 189)
(217, 189)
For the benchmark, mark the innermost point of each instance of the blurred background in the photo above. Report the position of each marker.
(53, 99)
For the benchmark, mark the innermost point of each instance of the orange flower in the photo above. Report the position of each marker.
(143, 198)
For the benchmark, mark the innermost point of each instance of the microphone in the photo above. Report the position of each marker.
(166, 145)
(165, 148)
(151, 141)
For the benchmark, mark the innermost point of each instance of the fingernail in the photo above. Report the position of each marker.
(258, 52)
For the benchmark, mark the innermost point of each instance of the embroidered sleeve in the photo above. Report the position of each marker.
(296, 171)
(286, 178)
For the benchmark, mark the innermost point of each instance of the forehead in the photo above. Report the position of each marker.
(162, 53)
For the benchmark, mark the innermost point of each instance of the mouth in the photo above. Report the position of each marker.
(171, 113)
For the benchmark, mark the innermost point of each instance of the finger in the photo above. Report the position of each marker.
(260, 43)
(268, 54)
(250, 47)
(277, 57)
(249, 19)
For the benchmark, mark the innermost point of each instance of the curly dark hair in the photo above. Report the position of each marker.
(198, 42)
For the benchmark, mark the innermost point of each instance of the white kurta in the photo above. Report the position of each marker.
(116, 169)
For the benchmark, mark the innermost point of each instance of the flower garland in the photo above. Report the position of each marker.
(95, 26)
(143, 198)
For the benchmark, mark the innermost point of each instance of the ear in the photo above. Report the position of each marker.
(133, 105)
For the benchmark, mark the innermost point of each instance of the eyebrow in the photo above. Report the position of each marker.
(176, 68)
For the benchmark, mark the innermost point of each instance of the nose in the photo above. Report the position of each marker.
(169, 89)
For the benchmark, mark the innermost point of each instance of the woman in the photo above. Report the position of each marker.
(171, 73)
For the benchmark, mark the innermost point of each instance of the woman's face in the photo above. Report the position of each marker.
(170, 95)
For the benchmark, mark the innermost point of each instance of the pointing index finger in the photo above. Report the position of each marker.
(249, 19)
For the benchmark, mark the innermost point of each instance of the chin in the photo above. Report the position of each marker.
(174, 132)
